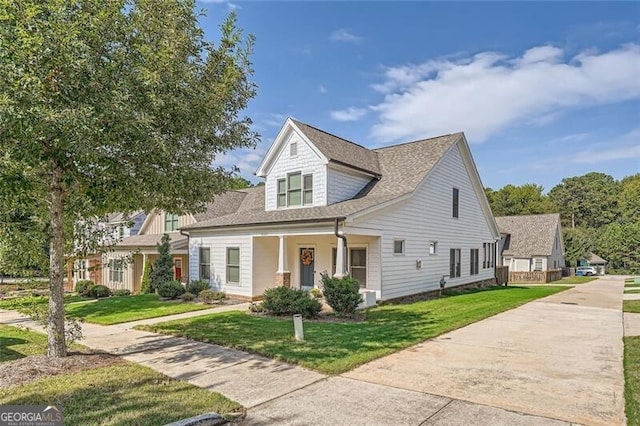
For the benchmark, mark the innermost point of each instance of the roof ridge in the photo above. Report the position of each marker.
(416, 141)
(331, 134)
(532, 214)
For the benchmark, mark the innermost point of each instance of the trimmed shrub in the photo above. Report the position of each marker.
(187, 297)
(99, 291)
(342, 294)
(122, 292)
(315, 292)
(195, 287)
(83, 286)
(211, 296)
(289, 301)
(171, 289)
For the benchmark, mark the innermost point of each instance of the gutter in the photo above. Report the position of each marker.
(278, 222)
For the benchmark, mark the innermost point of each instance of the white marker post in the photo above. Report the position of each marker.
(297, 327)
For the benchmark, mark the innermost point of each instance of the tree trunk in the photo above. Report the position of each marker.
(57, 347)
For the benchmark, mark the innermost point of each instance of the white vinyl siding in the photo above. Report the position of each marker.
(306, 162)
(219, 272)
(344, 185)
(427, 216)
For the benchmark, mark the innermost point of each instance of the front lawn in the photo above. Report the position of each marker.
(17, 343)
(336, 347)
(19, 303)
(119, 309)
(575, 280)
(632, 379)
(124, 393)
(632, 306)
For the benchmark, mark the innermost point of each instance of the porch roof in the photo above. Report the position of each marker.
(403, 168)
(152, 240)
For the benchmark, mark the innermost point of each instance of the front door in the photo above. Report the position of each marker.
(177, 269)
(307, 267)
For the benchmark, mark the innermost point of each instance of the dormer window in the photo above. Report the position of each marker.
(295, 190)
(293, 149)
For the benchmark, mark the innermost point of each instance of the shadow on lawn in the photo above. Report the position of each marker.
(7, 354)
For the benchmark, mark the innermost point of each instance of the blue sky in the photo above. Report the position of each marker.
(542, 90)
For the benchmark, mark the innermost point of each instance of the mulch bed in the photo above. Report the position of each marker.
(28, 369)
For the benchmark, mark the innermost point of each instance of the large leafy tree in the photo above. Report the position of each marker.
(512, 200)
(590, 200)
(629, 203)
(112, 106)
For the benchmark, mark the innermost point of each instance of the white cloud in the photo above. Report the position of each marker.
(625, 147)
(489, 91)
(345, 35)
(349, 114)
(230, 6)
(322, 89)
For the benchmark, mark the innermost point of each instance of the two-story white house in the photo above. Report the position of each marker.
(398, 218)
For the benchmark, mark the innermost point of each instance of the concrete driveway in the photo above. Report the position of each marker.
(558, 357)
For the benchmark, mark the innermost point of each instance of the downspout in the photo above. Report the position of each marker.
(339, 235)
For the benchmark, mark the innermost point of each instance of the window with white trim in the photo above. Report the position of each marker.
(116, 271)
(170, 222)
(293, 149)
(398, 247)
(537, 264)
(205, 263)
(454, 263)
(295, 190)
(233, 265)
(456, 202)
(474, 267)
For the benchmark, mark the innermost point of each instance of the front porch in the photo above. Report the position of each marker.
(298, 260)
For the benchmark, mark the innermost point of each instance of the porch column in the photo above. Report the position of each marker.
(144, 265)
(283, 276)
(341, 270)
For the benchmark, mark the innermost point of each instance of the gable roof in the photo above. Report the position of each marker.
(403, 167)
(340, 150)
(595, 259)
(529, 235)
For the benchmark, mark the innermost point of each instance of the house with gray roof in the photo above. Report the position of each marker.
(398, 219)
(531, 242)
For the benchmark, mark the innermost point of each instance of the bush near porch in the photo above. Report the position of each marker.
(336, 347)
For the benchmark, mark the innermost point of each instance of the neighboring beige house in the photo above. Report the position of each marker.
(123, 266)
(399, 219)
(531, 242)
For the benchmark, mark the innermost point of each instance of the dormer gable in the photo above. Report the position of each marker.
(308, 167)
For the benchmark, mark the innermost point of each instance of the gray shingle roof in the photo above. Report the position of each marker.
(402, 168)
(530, 235)
(595, 259)
(222, 204)
(150, 240)
(341, 150)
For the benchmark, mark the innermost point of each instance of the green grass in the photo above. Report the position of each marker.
(19, 303)
(575, 280)
(17, 343)
(117, 395)
(631, 306)
(629, 280)
(632, 379)
(334, 347)
(115, 310)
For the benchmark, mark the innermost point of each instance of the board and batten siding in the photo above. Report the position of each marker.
(306, 161)
(427, 216)
(156, 223)
(218, 246)
(343, 185)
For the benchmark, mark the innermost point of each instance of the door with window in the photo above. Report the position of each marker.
(177, 269)
(307, 267)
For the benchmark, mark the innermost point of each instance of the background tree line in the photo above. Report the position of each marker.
(599, 214)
